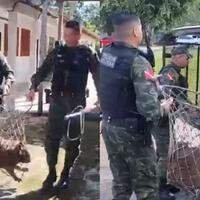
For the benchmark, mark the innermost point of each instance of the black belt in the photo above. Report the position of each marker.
(109, 117)
(64, 94)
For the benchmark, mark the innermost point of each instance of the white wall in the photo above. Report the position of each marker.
(85, 38)
(52, 31)
(2, 22)
(28, 18)
(25, 65)
(3, 13)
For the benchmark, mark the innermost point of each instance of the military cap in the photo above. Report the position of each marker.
(181, 50)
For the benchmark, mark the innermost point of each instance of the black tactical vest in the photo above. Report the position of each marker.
(71, 70)
(117, 94)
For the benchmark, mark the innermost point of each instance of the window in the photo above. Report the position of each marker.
(17, 46)
(25, 42)
(5, 39)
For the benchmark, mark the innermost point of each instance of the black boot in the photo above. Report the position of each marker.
(63, 182)
(72, 151)
(166, 195)
(49, 181)
(173, 189)
(164, 192)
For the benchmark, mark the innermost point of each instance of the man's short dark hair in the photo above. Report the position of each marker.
(121, 18)
(123, 23)
(73, 24)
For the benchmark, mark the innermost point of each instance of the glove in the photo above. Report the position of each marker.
(31, 95)
(165, 106)
(6, 89)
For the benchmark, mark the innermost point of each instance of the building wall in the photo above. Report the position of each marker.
(24, 66)
(25, 17)
(86, 39)
(3, 20)
(52, 31)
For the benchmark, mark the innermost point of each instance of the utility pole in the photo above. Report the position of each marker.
(43, 49)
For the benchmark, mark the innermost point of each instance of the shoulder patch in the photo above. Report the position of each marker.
(149, 74)
(170, 76)
(170, 73)
(108, 60)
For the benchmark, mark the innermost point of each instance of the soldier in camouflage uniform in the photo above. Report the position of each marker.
(171, 75)
(129, 103)
(6, 80)
(70, 64)
(6, 77)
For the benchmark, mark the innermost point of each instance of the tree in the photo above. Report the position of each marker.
(89, 14)
(191, 17)
(155, 14)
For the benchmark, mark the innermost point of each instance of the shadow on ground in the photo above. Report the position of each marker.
(84, 182)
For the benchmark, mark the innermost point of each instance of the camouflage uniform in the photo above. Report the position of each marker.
(128, 139)
(62, 62)
(171, 75)
(5, 73)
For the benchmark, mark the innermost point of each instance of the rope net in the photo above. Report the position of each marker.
(12, 126)
(184, 148)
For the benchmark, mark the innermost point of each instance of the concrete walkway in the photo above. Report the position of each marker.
(106, 175)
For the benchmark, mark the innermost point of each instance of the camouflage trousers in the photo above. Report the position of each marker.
(162, 143)
(132, 160)
(59, 107)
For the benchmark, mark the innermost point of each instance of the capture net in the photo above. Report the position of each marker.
(184, 148)
(12, 126)
(12, 131)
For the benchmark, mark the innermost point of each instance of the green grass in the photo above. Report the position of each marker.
(192, 70)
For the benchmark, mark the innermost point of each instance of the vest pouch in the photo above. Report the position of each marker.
(131, 124)
(140, 130)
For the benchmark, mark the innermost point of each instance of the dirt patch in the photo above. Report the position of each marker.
(84, 182)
